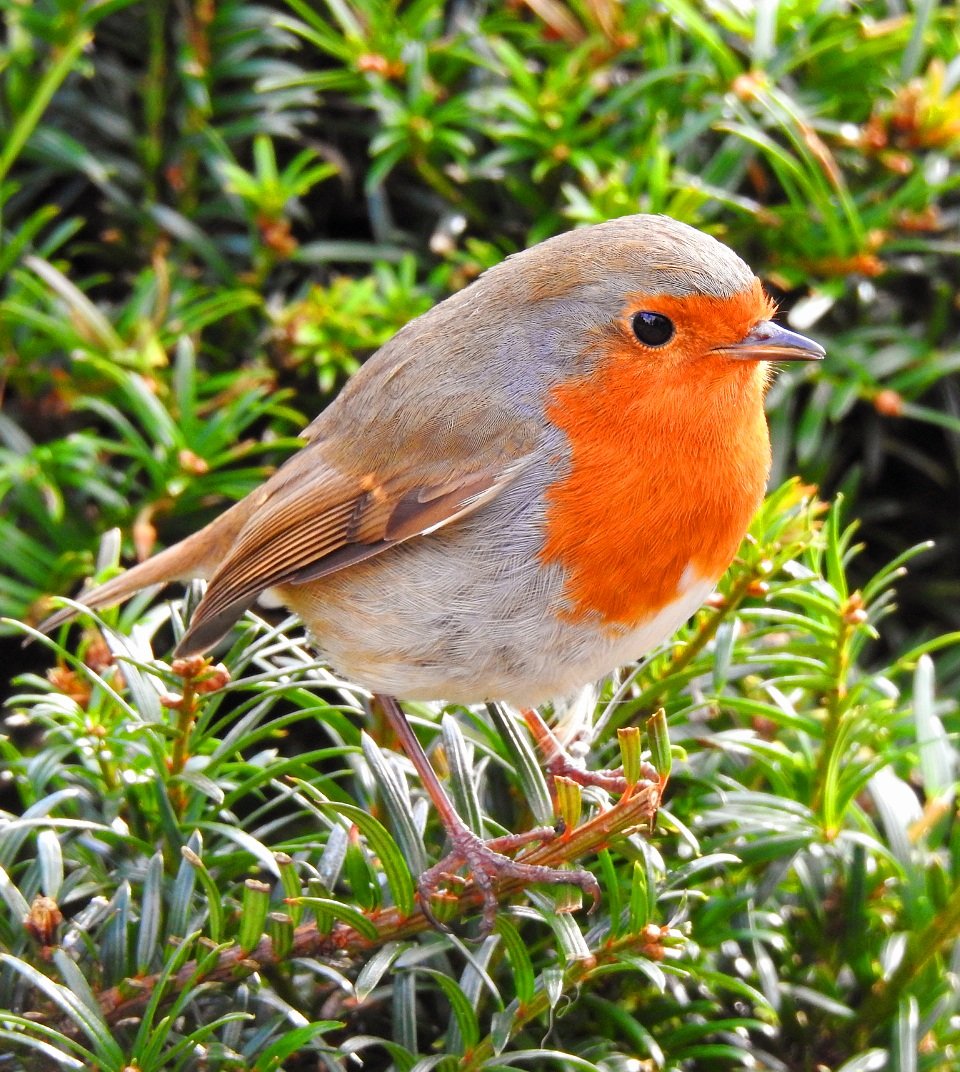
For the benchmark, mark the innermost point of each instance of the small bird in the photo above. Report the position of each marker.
(528, 486)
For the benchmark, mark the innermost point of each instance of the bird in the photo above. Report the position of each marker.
(528, 486)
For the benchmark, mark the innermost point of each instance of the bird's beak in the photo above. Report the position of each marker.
(770, 342)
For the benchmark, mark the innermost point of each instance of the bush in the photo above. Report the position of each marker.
(209, 215)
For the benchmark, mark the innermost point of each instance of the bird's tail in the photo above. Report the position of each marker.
(196, 556)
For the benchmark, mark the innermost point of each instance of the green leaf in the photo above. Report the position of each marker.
(253, 914)
(396, 798)
(532, 781)
(659, 739)
(463, 1011)
(54, 75)
(376, 967)
(16, 902)
(151, 908)
(938, 756)
(272, 1058)
(115, 947)
(463, 781)
(249, 844)
(213, 901)
(89, 1020)
(521, 966)
(384, 847)
(50, 859)
(353, 918)
(53, 1045)
(638, 915)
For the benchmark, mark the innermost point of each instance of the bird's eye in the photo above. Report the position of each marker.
(652, 329)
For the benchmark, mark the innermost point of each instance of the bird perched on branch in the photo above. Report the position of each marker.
(533, 483)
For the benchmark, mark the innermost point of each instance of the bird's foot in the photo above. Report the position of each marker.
(486, 864)
(612, 781)
(559, 763)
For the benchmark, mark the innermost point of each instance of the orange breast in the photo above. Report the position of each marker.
(668, 464)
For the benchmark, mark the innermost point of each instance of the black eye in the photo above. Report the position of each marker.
(652, 329)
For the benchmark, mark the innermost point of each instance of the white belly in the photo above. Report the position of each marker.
(488, 630)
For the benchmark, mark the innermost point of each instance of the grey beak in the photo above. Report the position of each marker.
(770, 342)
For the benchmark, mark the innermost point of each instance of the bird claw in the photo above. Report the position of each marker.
(489, 867)
(612, 781)
(559, 763)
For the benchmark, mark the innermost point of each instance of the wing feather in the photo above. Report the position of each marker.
(318, 523)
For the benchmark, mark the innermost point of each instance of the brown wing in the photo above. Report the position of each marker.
(316, 522)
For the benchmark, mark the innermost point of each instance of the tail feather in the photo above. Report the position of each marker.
(196, 556)
(201, 636)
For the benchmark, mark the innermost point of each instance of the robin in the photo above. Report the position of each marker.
(533, 483)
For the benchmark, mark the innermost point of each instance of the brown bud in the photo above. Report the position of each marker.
(144, 534)
(43, 920)
(276, 235)
(98, 655)
(70, 684)
(213, 679)
(873, 136)
(191, 666)
(854, 612)
(374, 63)
(749, 85)
(888, 403)
(192, 463)
(922, 222)
(898, 163)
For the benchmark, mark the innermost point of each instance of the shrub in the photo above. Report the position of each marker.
(210, 214)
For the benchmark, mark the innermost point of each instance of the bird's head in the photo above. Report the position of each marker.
(656, 293)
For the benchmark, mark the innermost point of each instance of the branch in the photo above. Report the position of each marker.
(635, 810)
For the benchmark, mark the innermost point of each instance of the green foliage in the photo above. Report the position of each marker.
(796, 899)
(207, 210)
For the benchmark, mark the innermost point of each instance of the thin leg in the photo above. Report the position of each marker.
(559, 762)
(413, 750)
(481, 859)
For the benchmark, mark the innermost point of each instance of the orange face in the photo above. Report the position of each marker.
(701, 323)
(669, 455)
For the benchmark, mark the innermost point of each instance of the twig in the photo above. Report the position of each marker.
(635, 810)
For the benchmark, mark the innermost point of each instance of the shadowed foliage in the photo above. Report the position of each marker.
(210, 214)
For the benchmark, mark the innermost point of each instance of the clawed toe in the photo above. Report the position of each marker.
(489, 868)
(560, 763)
(483, 862)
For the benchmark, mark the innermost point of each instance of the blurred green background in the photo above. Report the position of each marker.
(212, 212)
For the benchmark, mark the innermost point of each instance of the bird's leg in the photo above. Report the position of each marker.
(483, 860)
(560, 763)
